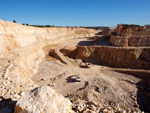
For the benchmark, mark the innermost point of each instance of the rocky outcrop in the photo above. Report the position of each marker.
(130, 35)
(129, 30)
(43, 100)
(116, 56)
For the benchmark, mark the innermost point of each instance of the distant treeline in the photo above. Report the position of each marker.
(42, 25)
(98, 27)
(130, 25)
(88, 27)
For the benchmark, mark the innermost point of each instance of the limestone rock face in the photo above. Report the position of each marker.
(116, 56)
(43, 100)
(130, 35)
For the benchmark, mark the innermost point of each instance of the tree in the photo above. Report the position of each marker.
(47, 25)
(14, 21)
(27, 24)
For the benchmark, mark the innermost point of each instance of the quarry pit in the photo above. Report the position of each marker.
(118, 77)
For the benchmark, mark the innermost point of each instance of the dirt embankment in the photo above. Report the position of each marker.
(136, 58)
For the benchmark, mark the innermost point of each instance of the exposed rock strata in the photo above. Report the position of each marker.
(116, 56)
(130, 35)
(23, 45)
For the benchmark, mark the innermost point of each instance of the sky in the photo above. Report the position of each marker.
(76, 12)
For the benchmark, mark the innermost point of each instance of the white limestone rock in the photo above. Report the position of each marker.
(43, 100)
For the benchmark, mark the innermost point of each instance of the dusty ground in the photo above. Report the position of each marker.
(100, 85)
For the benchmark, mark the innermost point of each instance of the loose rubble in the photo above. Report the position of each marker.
(13, 89)
(82, 106)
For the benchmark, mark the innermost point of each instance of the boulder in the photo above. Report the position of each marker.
(43, 100)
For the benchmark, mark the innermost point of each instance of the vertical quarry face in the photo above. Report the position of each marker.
(131, 35)
(22, 46)
(137, 58)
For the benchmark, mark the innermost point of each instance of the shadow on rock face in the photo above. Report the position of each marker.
(143, 95)
(86, 43)
(7, 105)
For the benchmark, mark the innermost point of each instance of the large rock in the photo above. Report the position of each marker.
(43, 100)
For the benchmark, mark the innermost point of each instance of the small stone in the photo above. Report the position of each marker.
(105, 110)
(22, 93)
(118, 109)
(90, 111)
(7, 78)
(86, 111)
(8, 82)
(92, 107)
(16, 96)
(21, 85)
(129, 110)
(4, 83)
(96, 104)
(44, 79)
(52, 85)
(136, 105)
(109, 108)
(124, 112)
(31, 85)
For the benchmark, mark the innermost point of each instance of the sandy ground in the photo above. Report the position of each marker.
(99, 84)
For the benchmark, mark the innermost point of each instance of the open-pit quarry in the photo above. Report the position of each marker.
(114, 69)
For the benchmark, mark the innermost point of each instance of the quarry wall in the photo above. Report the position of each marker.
(17, 35)
(134, 41)
(122, 57)
(22, 45)
(129, 30)
(130, 35)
